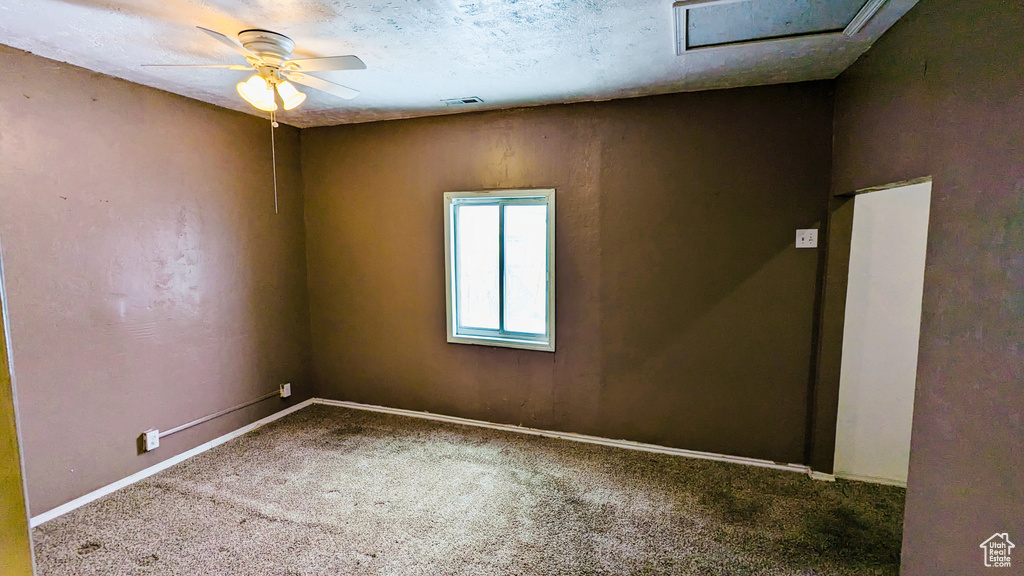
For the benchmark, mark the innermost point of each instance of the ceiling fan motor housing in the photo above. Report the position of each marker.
(272, 47)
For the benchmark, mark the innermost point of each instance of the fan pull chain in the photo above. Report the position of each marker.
(273, 154)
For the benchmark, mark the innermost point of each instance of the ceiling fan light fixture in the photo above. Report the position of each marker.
(258, 92)
(290, 95)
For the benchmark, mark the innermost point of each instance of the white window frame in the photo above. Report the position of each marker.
(460, 335)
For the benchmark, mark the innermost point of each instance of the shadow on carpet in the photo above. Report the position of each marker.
(328, 491)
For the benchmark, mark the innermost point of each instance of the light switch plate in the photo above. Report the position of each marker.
(807, 238)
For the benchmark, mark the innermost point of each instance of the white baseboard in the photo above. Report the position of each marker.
(872, 479)
(627, 444)
(145, 473)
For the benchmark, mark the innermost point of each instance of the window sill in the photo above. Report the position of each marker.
(503, 343)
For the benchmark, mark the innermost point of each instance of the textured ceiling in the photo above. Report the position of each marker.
(418, 52)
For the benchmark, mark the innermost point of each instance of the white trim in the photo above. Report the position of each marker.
(680, 19)
(866, 12)
(871, 479)
(143, 474)
(890, 186)
(627, 444)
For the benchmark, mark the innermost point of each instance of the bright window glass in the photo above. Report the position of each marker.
(478, 266)
(526, 268)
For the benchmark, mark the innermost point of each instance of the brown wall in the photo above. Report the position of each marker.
(15, 545)
(941, 94)
(836, 244)
(149, 281)
(684, 312)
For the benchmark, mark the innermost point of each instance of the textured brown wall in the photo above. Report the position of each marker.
(15, 545)
(942, 94)
(150, 282)
(684, 312)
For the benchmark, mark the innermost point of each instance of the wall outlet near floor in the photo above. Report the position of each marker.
(286, 390)
(150, 440)
(807, 238)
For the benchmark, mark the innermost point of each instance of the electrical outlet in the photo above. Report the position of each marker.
(807, 238)
(286, 390)
(151, 440)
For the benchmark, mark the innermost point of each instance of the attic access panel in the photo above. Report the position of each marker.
(714, 23)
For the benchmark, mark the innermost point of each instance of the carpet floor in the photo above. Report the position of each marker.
(329, 491)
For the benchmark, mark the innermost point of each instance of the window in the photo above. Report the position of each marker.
(500, 268)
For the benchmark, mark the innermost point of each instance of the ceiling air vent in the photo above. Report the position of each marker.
(702, 24)
(462, 101)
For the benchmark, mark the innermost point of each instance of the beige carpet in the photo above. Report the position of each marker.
(328, 491)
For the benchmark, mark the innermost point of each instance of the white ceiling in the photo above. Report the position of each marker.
(418, 52)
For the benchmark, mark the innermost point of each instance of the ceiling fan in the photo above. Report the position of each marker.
(269, 54)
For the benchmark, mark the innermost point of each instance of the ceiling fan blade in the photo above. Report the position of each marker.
(230, 43)
(322, 85)
(228, 66)
(328, 63)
